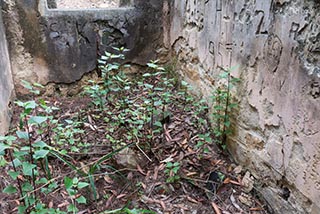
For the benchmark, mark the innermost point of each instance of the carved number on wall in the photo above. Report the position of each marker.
(261, 25)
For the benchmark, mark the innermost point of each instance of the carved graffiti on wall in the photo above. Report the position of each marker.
(308, 37)
(315, 89)
(272, 52)
(195, 16)
(294, 30)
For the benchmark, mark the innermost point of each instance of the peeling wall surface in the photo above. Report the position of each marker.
(275, 46)
(6, 84)
(60, 45)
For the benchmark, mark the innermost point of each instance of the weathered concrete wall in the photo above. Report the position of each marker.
(276, 46)
(51, 45)
(6, 84)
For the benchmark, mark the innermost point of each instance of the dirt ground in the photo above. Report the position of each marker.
(206, 180)
(64, 4)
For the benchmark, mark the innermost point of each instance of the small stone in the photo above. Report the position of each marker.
(245, 199)
(54, 35)
(127, 158)
(248, 182)
(238, 169)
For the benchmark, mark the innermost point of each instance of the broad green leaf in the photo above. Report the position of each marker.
(105, 58)
(40, 153)
(20, 154)
(70, 121)
(3, 147)
(75, 180)
(68, 182)
(158, 89)
(3, 161)
(160, 72)
(22, 209)
(13, 174)
(169, 165)
(72, 208)
(102, 62)
(30, 105)
(9, 189)
(224, 75)
(37, 119)
(19, 103)
(16, 162)
(106, 53)
(152, 65)
(40, 144)
(176, 164)
(158, 103)
(148, 86)
(27, 168)
(27, 187)
(82, 185)
(26, 85)
(158, 123)
(8, 138)
(22, 135)
(81, 200)
(42, 181)
(38, 85)
(227, 123)
(146, 75)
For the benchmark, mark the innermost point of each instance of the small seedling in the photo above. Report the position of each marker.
(172, 169)
(73, 185)
(222, 108)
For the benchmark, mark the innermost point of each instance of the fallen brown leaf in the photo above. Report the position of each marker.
(191, 173)
(235, 182)
(192, 200)
(66, 203)
(109, 202)
(215, 208)
(227, 180)
(121, 196)
(256, 209)
(140, 170)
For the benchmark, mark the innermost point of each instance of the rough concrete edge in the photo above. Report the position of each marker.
(5, 114)
(271, 184)
(45, 11)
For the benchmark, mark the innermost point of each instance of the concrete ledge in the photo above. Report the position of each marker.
(97, 13)
(60, 46)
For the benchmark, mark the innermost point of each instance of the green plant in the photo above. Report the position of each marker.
(172, 169)
(222, 108)
(26, 153)
(97, 93)
(73, 185)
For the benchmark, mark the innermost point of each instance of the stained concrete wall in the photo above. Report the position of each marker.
(60, 46)
(6, 83)
(275, 46)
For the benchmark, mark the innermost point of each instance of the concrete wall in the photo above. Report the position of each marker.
(6, 84)
(276, 48)
(60, 46)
